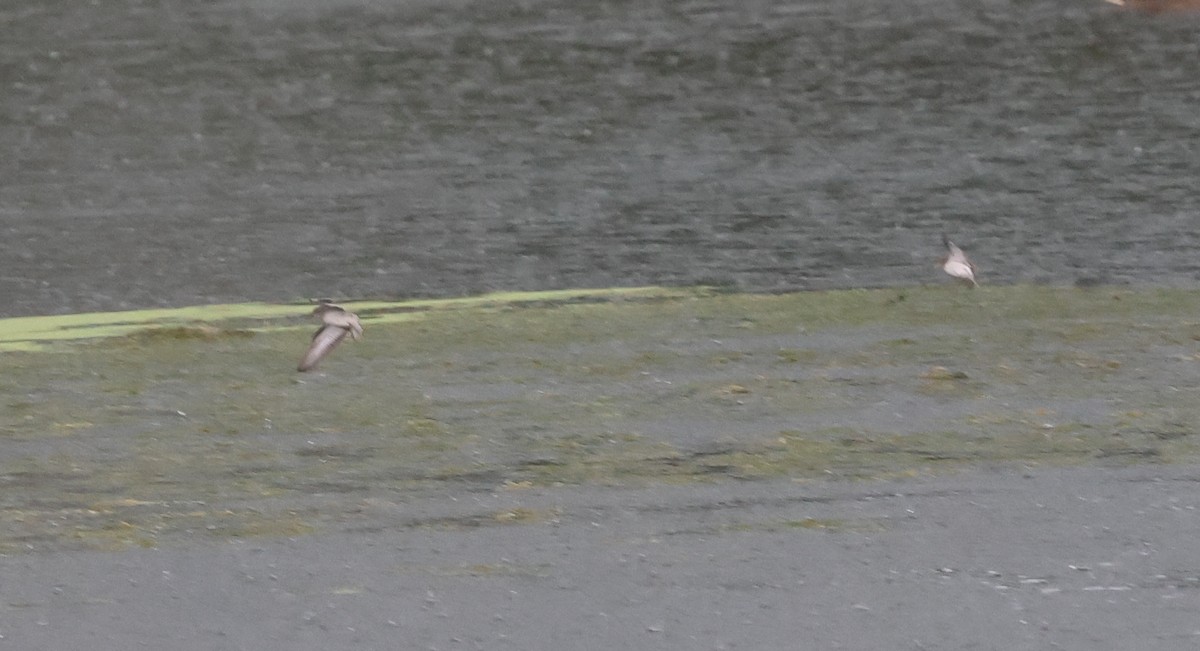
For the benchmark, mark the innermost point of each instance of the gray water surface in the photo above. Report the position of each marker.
(176, 152)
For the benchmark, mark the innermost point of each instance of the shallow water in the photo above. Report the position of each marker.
(170, 153)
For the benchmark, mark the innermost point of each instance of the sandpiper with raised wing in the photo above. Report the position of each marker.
(336, 323)
(956, 263)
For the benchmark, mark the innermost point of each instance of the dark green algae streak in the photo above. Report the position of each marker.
(195, 424)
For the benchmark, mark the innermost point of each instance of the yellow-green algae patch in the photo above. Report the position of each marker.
(32, 333)
(171, 424)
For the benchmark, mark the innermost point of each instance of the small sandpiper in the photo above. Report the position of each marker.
(956, 263)
(336, 323)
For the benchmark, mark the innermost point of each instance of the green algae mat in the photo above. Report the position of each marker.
(152, 427)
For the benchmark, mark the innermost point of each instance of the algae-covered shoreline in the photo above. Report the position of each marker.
(197, 425)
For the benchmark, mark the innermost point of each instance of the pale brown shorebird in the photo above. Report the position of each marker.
(336, 323)
(956, 263)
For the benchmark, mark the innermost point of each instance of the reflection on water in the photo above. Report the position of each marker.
(168, 153)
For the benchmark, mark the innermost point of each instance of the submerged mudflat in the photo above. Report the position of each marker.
(195, 427)
(176, 154)
(927, 468)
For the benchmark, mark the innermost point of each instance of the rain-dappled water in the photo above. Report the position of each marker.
(174, 152)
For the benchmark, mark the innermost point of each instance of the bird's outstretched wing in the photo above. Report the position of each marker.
(326, 339)
(957, 264)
